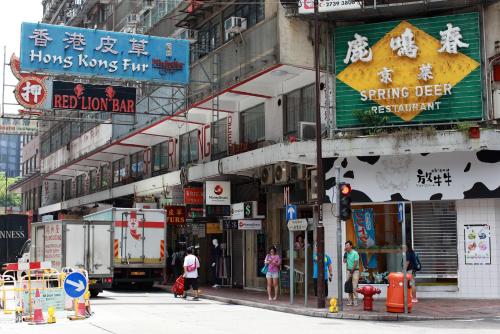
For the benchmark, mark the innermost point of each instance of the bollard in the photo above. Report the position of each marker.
(52, 317)
(333, 306)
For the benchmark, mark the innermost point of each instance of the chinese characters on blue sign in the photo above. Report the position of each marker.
(56, 49)
(434, 178)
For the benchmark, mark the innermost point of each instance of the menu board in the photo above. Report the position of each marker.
(477, 244)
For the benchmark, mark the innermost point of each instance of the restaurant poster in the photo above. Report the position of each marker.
(477, 244)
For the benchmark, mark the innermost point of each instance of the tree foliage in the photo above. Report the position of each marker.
(8, 198)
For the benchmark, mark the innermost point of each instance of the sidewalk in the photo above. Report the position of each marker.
(425, 309)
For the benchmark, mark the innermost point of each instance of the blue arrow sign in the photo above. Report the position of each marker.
(401, 210)
(75, 285)
(291, 212)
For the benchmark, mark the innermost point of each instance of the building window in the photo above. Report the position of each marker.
(137, 165)
(298, 107)
(55, 142)
(160, 158)
(79, 185)
(253, 11)
(67, 189)
(66, 133)
(75, 130)
(118, 171)
(219, 138)
(188, 145)
(93, 180)
(104, 177)
(253, 125)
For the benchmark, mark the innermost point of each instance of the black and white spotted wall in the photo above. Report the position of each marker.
(419, 177)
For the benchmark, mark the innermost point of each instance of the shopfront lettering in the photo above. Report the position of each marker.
(12, 234)
(434, 178)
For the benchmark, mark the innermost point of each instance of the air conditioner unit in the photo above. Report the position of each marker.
(187, 34)
(312, 188)
(307, 130)
(235, 25)
(148, 4)
(267, 175)
(281, 172)
(133, 18)
(298, 172)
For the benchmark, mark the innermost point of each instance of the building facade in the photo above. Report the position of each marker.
(10, 155)
(419, 129)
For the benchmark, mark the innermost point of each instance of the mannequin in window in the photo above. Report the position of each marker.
(215, 258)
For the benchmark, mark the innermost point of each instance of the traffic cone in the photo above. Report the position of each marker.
(38, 313)
(88, 311)
(79, 305)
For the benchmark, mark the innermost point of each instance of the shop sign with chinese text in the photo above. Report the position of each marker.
(176, 214)
(325, 6)
(14, 126)
(193, 196)
(86, 97)
(416, 70)
(58, 49)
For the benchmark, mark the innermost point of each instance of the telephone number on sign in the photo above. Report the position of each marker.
(337, 3)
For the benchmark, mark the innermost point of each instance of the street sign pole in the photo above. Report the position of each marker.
(292, 267)
(305, 265)
(403, 248)
(340, 301)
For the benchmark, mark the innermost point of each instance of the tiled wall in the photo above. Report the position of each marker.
(479, 281)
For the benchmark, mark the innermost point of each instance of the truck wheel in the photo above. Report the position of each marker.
(94, 293)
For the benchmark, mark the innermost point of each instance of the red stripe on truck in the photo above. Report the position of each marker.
(124, 223)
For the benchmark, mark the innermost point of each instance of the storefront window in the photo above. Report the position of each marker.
(188, 147)
(298, 107)
(219, 138)
(105, 176)
(137, 165)
(93, 180)
(160, 158)
(118, 171)
(79, 185)
(253, 125)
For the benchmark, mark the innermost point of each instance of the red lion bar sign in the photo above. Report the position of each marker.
(103, 98)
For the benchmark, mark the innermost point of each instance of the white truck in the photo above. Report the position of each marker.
(76, 244)
(139, 245)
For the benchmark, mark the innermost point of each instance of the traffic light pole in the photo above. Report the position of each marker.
(340, 299)
(320, 229)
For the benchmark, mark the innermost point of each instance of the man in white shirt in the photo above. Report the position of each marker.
(191, 265)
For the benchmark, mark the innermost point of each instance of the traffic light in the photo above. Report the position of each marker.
(345, 201)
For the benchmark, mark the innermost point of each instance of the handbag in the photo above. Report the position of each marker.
(348, 286)
(264, 269)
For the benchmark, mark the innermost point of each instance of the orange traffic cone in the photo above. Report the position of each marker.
(38, 313)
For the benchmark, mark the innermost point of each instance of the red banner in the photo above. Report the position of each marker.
(193, 196)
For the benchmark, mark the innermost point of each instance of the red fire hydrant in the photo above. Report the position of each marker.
(368, 291)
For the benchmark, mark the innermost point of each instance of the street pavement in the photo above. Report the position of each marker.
(159, 312)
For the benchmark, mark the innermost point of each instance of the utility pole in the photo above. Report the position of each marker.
(320, 229)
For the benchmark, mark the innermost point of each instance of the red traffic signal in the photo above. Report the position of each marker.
(345, 189)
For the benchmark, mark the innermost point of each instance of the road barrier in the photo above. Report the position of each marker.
(29, 292)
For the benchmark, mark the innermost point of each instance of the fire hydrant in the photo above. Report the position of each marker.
(368, 291)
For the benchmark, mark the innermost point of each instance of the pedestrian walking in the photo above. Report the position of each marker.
(273, 263)
(191, 265)
(412, 265)
(328, 272)
(352, 263)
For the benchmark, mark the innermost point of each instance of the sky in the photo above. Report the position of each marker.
(12, 14)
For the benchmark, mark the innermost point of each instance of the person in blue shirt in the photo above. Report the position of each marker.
(328, 272)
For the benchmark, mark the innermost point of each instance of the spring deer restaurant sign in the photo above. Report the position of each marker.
(58, 49)
(418, 70)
